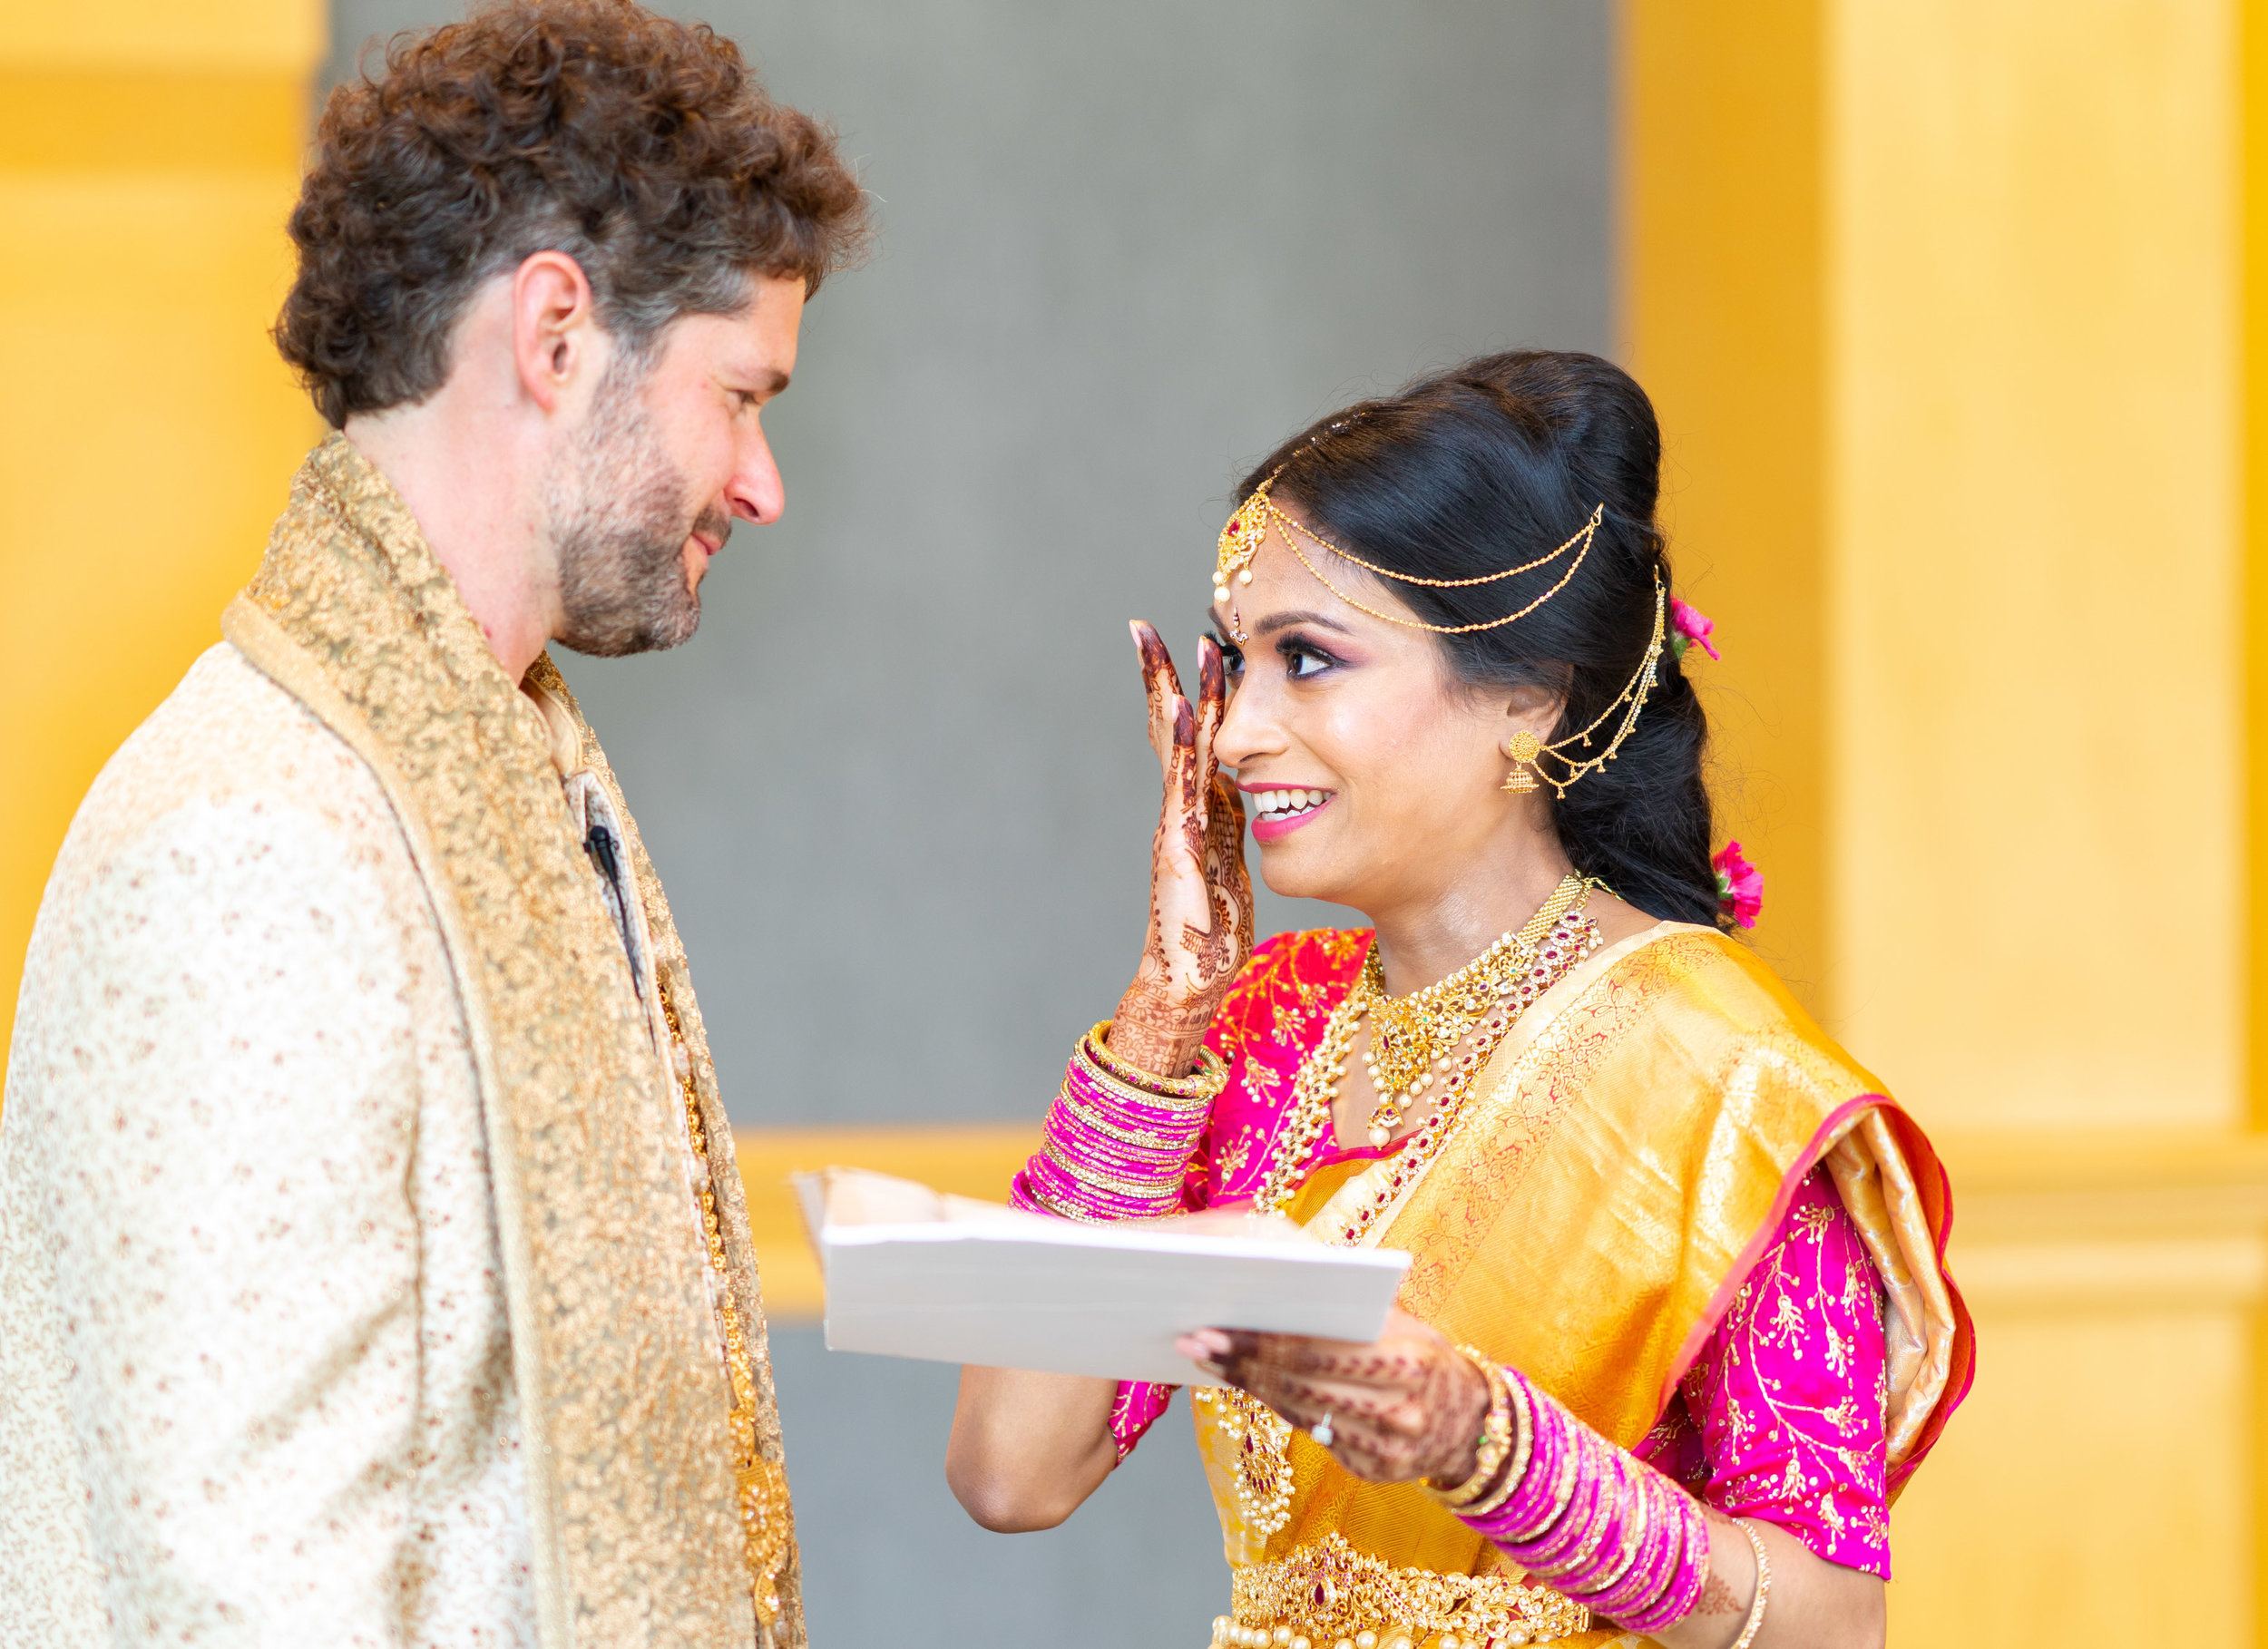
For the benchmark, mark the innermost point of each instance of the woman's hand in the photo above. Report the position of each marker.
(1411, 1406)
(1408, 1406)
(1201, 897)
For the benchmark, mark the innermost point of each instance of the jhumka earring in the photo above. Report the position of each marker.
(1523, 747)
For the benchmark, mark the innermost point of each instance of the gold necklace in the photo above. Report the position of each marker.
(1264, 1480)
(1413, 1038)
(1264, 1463)
(1575, 937)
(1316, 1087)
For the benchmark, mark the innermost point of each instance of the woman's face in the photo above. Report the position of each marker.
(1408, 761)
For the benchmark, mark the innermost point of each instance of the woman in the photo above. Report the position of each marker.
(1677, 1326)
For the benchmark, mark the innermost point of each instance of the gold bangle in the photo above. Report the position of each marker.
(1204, 1081)
(1496, 1437)
(1523, 1448)
(1764, 1585)
(1126, 1093)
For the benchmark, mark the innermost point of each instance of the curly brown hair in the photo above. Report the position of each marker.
(643, 147)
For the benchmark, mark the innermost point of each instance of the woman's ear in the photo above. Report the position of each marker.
(1532, 707)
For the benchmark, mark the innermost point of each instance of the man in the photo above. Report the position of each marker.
(373, 1267)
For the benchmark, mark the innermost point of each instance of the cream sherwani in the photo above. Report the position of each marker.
(354, 1285)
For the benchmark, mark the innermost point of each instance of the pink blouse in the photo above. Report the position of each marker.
(1790, 1393)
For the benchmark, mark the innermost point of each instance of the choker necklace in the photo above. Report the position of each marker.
(1413, 1039)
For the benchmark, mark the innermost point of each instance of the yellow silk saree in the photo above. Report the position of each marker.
(1622, 1162)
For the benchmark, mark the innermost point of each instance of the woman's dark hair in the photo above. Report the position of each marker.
(1492, 465)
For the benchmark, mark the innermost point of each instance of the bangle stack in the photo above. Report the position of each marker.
(1602, 1527)
(1117, 1146)
(1119, 1140)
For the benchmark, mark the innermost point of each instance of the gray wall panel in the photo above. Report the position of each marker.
(898, 784)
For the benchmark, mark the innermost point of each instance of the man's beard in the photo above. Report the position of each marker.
(616, 511)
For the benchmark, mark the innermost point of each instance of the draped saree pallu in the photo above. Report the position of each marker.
(1620, 1165)
(658, 1508)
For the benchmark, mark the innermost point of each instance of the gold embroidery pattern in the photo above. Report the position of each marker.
(1291, 983)
(1329, 1591)
(762, 1483)
(1782, 1308)
(631, 1501)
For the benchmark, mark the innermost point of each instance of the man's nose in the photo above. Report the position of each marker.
(756, 492)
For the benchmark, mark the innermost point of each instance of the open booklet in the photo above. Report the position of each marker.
(916, 1273)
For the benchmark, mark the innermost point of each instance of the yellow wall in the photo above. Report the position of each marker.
(1724, 318)
(1990, 300)
(149, 153)
(2034, 557)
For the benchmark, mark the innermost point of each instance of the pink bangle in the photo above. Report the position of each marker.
(1118, 1142)
(1607, 1529)
(1681, 1594)
(1116, 1145)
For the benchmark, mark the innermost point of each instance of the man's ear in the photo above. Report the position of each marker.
(554, 329)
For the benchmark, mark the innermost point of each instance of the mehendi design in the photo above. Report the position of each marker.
(1164, 1015)
(1396, 1414)
(1717, 1598)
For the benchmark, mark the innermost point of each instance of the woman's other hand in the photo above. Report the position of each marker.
(1408, 1406)
(1200, 896)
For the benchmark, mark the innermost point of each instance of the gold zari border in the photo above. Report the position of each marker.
(1329, 1591)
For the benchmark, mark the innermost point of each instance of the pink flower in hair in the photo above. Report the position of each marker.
(1689, 624)
(1739, 884)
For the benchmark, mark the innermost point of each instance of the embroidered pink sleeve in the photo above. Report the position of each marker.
(1789, 1393)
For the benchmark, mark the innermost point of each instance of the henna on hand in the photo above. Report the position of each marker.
(1201, 910)
(1406, 1407)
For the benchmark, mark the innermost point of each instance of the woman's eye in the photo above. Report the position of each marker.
(1232, 660)
(1300, 663)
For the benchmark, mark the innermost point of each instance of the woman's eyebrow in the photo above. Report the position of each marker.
(1285, 620)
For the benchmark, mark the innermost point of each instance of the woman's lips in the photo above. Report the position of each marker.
(1280, 809)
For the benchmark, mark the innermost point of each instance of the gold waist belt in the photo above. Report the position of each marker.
(1328, 1596)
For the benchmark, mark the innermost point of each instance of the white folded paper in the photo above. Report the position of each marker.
(915, 1272)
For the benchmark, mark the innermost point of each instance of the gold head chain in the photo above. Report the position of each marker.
(1240, 541)
(1528, 752)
